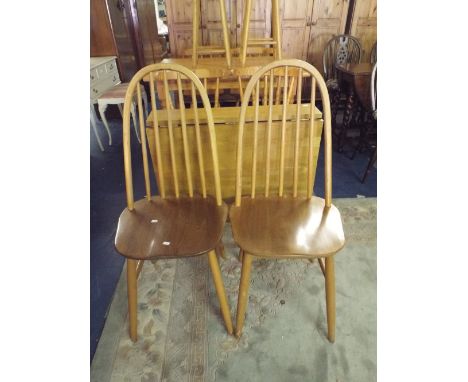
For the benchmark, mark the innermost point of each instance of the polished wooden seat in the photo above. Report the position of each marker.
(275, 224)
(173, 224)
(171, 227)
(280, 227)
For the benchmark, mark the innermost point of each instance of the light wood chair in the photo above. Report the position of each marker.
(196, 48)
(176, 225)
(274, 41)
(116, 96)
(280, 226)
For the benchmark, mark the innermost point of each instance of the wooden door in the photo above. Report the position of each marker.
(179, 21)
(328, 19)
(260, 19)
(212, 28)
(121, 27)
(295, 27)
(364, 26)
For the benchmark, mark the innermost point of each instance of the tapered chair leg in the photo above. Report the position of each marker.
(220, 250)
(132, 297)
(241, 254)
(330, 296)
(243, 292)
(218, 282)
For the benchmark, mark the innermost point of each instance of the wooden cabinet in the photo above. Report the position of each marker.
(111, 34)
(364, 25)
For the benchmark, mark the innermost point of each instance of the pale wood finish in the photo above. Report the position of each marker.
(364, 26)
(132, 298)
(219, 286)
(226, 120)
(274, 41)
(246, 259)
(195, 29)
(174, 224)
(282, 226)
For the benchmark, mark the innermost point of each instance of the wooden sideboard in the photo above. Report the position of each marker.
(103, 75)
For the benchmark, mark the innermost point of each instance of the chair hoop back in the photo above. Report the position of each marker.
(173, 117)
(373, 89)
(302, 115)
(340, 49)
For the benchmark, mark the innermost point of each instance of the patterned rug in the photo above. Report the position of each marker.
(182, 335)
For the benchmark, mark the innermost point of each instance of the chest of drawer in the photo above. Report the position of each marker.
(104, 84)
(108, 69)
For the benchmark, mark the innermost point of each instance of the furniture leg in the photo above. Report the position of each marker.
(94, 125)
(241, 254)
(120, 109)
(330, 296)
(102, 112)
(135, 124)
(220, 250)
(218, 282)
(370, 164)
(132, 297)
(346, 119)
(243, 292)
(335, 101)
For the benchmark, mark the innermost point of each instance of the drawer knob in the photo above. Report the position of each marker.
(114, 78)
(112, 66)
(94, 90)
(92, 77)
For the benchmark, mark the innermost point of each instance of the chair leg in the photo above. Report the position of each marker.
(132, 297)
(243, 292)
(220, 250)
(370, 164)
(102, 110)
(241, 254)
(120, 109)
(218, 282)
(330, 296)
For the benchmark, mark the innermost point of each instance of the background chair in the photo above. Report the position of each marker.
(276, 225)
(340, 49)
(171, 225)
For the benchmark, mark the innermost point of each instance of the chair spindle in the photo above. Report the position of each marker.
(143, 143)
(310, 175)
(283, 132)
(270, 117)
(255, 138)
(298, 125)
(198, 138)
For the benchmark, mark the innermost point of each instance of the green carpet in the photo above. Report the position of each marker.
(182, 336)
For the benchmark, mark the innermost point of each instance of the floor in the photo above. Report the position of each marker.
(108, 200)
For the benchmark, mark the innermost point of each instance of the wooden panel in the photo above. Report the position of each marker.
(179, 21)
(260, 19)
(121, 21)
(227, 154)
(295, 30)
(364, 26)
(212, 33)
(102, 41)
(328, 20)
(153, 50)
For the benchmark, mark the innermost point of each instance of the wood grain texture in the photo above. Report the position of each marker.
(165, 228)
(281, 227)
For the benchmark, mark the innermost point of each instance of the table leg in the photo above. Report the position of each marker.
(102, 112)
(94, 125)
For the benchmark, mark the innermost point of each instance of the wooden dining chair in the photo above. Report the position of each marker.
(171, 225)
(275, 225)
(341, 49)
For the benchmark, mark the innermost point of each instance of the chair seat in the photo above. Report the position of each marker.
(287, 227)
(170, 227)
